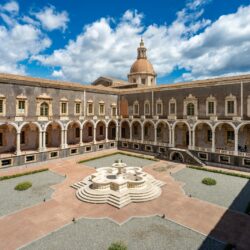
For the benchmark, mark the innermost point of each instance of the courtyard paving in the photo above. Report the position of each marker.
(20, 228)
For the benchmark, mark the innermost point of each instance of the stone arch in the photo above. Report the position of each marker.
(29, 136)
(53, 132)
(181, 134)
(203, 134)
(148, 130)
(243, 131)
(162, 131)
(125, 129)
(73, 132)
(100, 130)
(176, 156)
(8, 134)
(88, 131)
(112, 127)
(136, 127)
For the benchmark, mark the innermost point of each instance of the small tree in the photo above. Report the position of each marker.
(119, 245)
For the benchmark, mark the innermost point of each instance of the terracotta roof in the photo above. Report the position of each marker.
(142, 65)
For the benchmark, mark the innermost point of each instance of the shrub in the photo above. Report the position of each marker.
(119, 245)
(209, 181)
(23, 186)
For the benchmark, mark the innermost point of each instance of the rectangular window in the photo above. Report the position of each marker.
(158, 109)
(1, 106)
(78, 108)
(22, 139)
(90, 108)
(210, 108)
(146, 109)
(230, 107)
(90, 131)
(101, 109)
(63, 107)
(172, 108)
(136, 109)
(77, 132)
(114, 111)
(209, 135)
(230, 136)
(1, 139)
(21, 106)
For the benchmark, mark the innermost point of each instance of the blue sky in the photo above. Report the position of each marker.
(81, 40)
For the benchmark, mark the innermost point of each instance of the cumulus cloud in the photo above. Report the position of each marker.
(52, 19)
(11, 7)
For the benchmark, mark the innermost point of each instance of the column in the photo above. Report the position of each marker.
(236, 141)
(193, 139)
(65, 138)
(94, 137)
(18, 147)
(173, 137)
(106, 133)
(40, 141)
(213, 140)
(81, 135)
(117, 132)
(190, 139)
(142, 133)
(62, 139)
(170, 136)
(44, 141)
(130, 132)
(155, 135)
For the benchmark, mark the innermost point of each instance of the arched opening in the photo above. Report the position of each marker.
(244, 138)
(136, 130)
(125, 130)
(203, 136)
(162, 131)
(149, 131)
(181, 135)
(177, 157)
(100, 131)
(224, 137)
(7, 138)
(112, 130)
(88, 132)
(73, 133)
(29, 137)
(53, 135)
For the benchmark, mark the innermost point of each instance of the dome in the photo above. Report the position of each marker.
(142, 65)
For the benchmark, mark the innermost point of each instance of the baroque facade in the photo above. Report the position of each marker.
(200, 122)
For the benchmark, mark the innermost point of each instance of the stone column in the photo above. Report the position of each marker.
(44, 141)
(106, 133)
(142, 133)
(193, 138)
(130, 132)
(40, 141)
(213, 140)
(155, 135)
(18, 145)
(117, 132)
(65, 138)
(62, 139)
(81, 135)
(190, 139)
(94, 135)
(170, 136)
(236, 141)
(173, 137)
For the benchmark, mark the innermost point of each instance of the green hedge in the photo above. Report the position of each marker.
(23, 186)
(122, 153)
(119, 245)
(209, 181)
(22, 174)
(220, 172)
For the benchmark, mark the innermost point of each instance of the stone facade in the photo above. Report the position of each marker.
(200, 122)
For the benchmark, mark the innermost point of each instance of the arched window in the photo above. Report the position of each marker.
(190, 109)
(44, 109)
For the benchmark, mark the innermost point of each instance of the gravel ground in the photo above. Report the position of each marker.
(12, 200)
(139, 233)
(230, 192)
(107, 161)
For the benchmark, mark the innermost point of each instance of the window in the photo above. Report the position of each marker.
(22, 139)
(90, 108)
(146, 108)
(172, 106)
(134, 80)
(190, 109)
(44, 109)
(136, 108)
(210, 108)
(77, 132)
(90, 131)
(1, 139)
(21, 106)
(209, 135)
(101, 130)
(230, 107)
(63, 108)
(113, 111)
(143, 81)
(159, 109)
(101, 109)
(78, 108)
(230, 136)
(1, 106)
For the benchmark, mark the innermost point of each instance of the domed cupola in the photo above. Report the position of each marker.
(142, 71)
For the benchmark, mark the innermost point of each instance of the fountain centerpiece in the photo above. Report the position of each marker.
(118, 186)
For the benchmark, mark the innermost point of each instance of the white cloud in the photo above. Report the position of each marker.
(11, 7)
(51, 19)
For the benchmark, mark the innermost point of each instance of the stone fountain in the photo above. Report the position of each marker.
(118, 186)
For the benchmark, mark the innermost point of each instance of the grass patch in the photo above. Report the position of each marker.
(209, 181)
(119, 245)
(22, 174)
(220, 172)
(23, 186)
(122, 153)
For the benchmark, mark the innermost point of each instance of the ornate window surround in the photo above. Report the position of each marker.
(41, 99)
(78, 101)
(190, 99)
(90, 102)
(146, 102)
(21, 97)
(100, 104)
(234, 99)
(3, 98)
(172, 100)
(136, 103)
(211, 99)
(159, 102)
(64, 100)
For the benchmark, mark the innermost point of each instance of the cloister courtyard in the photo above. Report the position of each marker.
(187, 215)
